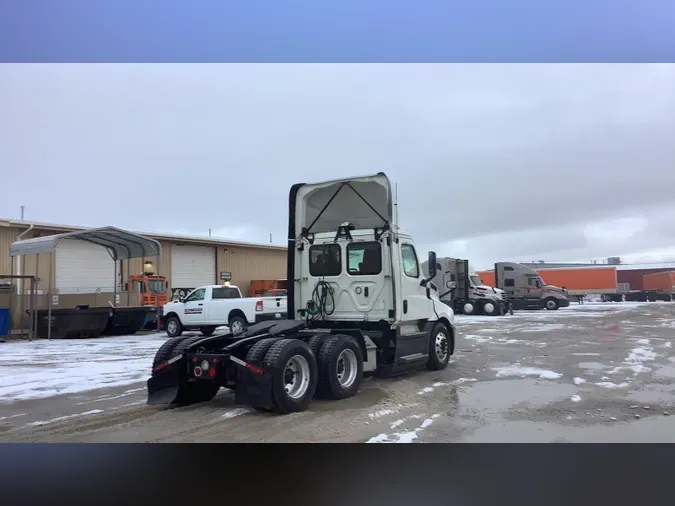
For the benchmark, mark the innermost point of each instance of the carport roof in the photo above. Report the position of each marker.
(119, 243)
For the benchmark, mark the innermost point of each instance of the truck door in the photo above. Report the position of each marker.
(193, 310)
(511, 282)
(221, 303)
(535, 287)
(416, 306)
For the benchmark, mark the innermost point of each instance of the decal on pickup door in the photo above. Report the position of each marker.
(193, 310)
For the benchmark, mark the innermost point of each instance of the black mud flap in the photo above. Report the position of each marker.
(254, 389)
(163, 385)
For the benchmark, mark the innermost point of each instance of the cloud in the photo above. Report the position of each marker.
(492, 161)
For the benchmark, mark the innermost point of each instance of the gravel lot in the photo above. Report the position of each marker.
(597, 372)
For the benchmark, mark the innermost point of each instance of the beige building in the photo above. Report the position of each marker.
(186, 262)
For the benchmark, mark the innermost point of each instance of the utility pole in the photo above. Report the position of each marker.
(22, 208)
(270, 238)
(209, 232)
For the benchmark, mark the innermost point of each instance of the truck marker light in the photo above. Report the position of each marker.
(205, 365)
(254, 369)
(198, 371)
(194, 359)
(250, 367)
(212, 372)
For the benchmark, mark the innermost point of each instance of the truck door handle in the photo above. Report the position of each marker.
(405, 306)
(365, 291)
(200, 304)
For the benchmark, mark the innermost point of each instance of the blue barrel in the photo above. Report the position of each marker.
(4, 321)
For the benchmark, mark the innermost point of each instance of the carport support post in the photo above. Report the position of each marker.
(49, 298)
(157, 298)
(115, 282)
(35, 295)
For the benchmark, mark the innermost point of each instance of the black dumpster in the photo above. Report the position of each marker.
(73, 323)
(125, 320)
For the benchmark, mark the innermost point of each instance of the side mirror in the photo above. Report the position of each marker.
(433, 265)
(181, 298)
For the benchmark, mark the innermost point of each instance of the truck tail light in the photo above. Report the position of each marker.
(258, 306)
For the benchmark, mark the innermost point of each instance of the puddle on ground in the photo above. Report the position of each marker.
(666, 372)
(501, 395)
(653, 430)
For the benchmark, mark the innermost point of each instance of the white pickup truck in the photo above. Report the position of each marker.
(275, 306)
(209, 307)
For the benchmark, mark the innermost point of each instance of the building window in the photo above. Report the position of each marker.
(364, 258)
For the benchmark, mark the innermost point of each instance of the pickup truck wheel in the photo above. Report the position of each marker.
(294, 375)
(340, 367)
(173, 326)
(237, 325)
(207, 331)
(551, 304)
(491, 308)
(439, 348)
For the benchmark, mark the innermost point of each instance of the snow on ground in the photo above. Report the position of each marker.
(573, 310)
(42, 368)
(403, 437)
(517, 370)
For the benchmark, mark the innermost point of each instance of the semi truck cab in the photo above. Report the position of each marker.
(526, 289)
(462, 289)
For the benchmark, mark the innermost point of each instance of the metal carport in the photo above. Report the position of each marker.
(120, 244)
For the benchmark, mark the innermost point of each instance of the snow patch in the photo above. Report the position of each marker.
(517, 370)
(669, 344)
(42, 368)
(609, 384)
(576, 398)
(578, 380)
(643, 341)
(458, 381)
(234, 412)
(61, 418)
(381, 413)
(586, 354)
(403, 437)
(12, 416)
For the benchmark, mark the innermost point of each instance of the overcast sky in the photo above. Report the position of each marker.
(493, 162)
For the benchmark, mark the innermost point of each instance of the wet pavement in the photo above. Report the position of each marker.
(591, 373)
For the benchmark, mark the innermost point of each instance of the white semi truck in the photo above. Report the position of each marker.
(357, 302)
(461, 288)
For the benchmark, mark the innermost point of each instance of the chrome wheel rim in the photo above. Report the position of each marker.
(172, 327)
(550, 304)
(441, 346)
(236, 327)
(347, 368)
(296, 377)
(489, 307)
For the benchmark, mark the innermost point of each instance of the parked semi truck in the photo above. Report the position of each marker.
(357, 302)
(462, 289)
(524, 287)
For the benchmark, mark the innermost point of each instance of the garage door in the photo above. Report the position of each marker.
(192, 266)
(82, 267)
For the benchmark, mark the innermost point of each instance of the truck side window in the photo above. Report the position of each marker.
(325, 260)
(409, 257)
(365, 258)
(196, 295)
(508, 268)
(509, 282)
